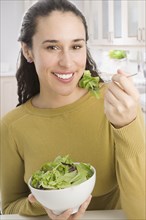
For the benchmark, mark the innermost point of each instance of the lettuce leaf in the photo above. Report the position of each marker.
(90, 83)
(60, 174)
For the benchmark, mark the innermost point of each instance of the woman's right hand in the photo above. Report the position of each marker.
(67, 214)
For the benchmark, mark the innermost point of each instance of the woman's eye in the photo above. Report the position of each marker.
(76, 47)
(52, 47)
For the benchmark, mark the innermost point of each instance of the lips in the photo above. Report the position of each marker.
(64, 76)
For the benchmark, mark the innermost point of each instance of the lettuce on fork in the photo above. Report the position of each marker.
(60, 174)
(90, 83)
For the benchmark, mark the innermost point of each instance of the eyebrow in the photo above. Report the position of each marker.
(56, 41)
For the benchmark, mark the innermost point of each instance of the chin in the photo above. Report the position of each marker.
(66, 93)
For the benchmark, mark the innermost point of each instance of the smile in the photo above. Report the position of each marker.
(64, 76)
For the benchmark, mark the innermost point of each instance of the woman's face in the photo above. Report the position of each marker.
(59, 53)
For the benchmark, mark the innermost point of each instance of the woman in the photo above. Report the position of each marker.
(56, 117)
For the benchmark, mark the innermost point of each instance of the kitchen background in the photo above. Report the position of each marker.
(112, 24)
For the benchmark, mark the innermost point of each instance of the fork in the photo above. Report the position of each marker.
(109, 80)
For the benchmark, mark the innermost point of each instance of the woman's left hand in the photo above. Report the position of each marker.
(121, 100)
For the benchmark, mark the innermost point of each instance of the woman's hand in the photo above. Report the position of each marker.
(67, 214)
(121, 100)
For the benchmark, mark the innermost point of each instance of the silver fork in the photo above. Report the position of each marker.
(109, 80)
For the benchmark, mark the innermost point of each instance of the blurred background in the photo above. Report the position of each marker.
(116, 27)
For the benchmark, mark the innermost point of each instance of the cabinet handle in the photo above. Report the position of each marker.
(109, 36)
(112, 37)
(143, 34)
(139, 37)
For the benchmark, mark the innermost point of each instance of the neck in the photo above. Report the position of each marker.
(49, 101)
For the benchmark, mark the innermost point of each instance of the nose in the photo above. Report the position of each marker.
(65, 59)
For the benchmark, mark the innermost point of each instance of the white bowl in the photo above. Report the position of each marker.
(62, 199)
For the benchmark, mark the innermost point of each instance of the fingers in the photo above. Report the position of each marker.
(116, 96)
(31, 198)
(67, 215)
(121, 72)
(126, 84)
(64, 216)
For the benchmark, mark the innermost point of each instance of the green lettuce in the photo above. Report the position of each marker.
(90, 83)
(60, 174)
(117, 54)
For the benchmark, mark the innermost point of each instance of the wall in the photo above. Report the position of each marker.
(78, 4)
(11, 16)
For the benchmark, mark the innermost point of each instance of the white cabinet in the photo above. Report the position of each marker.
(8, 90)
(115, 22)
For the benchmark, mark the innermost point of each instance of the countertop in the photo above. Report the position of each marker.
(90, 215)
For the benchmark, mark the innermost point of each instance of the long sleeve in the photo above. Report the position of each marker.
(130, 167)
(14, 189)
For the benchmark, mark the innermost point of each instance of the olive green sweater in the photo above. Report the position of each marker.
(33, 136)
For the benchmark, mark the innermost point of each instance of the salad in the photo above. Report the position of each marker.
(90, 83)
(117, 54)
(60, 174)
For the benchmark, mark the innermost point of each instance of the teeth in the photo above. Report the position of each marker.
(64, 76)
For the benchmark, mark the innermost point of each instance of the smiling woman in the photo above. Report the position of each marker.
(56, 115)
(64, 52)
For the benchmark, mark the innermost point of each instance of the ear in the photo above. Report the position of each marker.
(27, 53)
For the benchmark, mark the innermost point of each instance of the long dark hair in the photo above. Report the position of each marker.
(26, 75)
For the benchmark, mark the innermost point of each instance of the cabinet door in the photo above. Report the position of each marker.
(106, 22)
(93, 20)
(8, 94)
(100, 22)
(133, 22)
(141, 24)
(117, 22)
